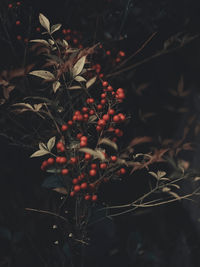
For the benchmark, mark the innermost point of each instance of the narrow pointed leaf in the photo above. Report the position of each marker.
(44, 22)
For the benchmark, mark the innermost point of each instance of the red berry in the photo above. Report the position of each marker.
(114, 139)
(83, 144)
(122, 116)
(72, 194)
(77, 188)
(65, 171)
(73, 160)
(98, 128)
(103, 101)
(122, 171)
(111, 129)
(99, 107)
(44, 164)
(121, 53)
(85, 117)
(120, 90)
(75, 41)
(17, 22)
(77, 112)
(79, 117)
(79, 135)
(59, 145)
(116, 118)
(93, 166)
(19, 37)
(90, 100)
(118, 59)
(108, 53)
(101, 75)
(93, 172)
(83, 185)
(113, 158)
(64, 128)
(84, 109)
(50, 161)
(105, 84)
(88, 156)
(63, 160)
(120, 96)
(118, 132)
(103, 95)
(75, 181)
(101, 122)
(10, 6)
(87, 197)
(38, 29)
(70, 122)
(64, 31)
(18, 3)
(84, 138)
(103, 166)
(111, 111)
(106, 117)
(94, 198)
(109, 88)
(58, 159)
(91, 112)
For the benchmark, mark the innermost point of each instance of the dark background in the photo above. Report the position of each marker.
(165, 236)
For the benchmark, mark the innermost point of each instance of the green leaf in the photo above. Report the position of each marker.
(44, 22)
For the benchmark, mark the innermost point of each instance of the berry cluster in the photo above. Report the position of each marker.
(80, 164)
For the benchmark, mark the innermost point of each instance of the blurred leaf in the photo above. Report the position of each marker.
(140, 140)
(44, 22)
(61, 190)
(40, 41)
(75, 87)
(108, 142)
